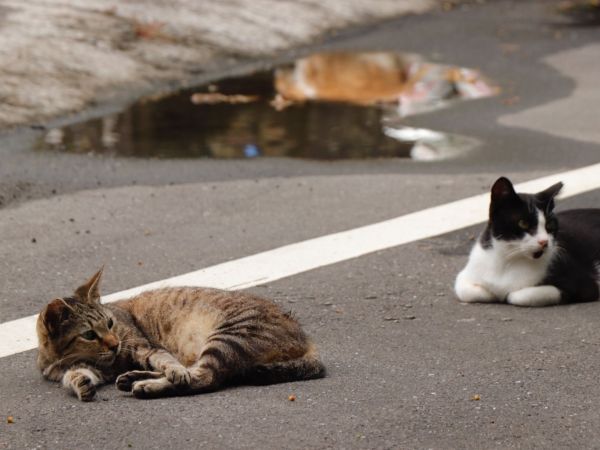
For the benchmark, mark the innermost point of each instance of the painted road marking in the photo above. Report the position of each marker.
(19, 335)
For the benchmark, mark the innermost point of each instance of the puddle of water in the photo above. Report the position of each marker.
(326, 106)
(582, 12)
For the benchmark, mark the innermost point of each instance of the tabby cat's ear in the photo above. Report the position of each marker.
(54, 314)
(90, 291)
(546, 197)
(502, 190)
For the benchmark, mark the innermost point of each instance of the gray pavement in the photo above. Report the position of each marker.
(405, 359)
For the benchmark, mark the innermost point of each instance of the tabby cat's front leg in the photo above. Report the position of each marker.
(82, 381)
(166, 363)
(170, 374)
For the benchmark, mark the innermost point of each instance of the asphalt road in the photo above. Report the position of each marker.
(405, 359)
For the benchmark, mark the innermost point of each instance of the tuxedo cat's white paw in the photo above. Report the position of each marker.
(178, 375)
(535, 296)
(468, 292)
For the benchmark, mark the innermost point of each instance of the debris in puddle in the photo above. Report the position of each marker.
(216, 97)
(337, 105)
(279, 103)
(251, 151)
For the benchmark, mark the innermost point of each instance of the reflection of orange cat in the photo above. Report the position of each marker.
(351, 77)
(376, 77)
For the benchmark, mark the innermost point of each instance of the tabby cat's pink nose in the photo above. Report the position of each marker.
(111, 341)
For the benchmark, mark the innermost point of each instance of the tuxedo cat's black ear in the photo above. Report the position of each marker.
(546, 197)
(502, 190)
(90, 291)
(55, 313)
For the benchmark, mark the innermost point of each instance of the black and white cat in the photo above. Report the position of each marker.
(530, 256)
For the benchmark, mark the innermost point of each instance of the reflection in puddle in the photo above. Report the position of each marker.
(428, 145)
(325, 106)
(406, 81)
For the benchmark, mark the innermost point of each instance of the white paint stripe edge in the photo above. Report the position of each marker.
(19, 335)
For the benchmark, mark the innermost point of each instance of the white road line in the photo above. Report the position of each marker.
(19, 335)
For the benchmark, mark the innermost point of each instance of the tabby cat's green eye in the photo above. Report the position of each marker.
(90, 335)
(110, 323)
(523, 224)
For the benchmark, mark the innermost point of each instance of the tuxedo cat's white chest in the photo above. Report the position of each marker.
(497, 276)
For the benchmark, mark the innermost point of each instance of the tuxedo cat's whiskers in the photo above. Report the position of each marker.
(559, 251)
(512, 255)
(531, 256)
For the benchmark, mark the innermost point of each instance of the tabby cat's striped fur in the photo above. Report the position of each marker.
(171, 341)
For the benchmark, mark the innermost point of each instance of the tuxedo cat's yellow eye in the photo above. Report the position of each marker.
(523, 224)
(90, 335)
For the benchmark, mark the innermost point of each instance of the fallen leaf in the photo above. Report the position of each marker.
(292, 398)
(10, 419)
(149, 30)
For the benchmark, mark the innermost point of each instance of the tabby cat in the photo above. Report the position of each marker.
(528, 255)
(170, 341)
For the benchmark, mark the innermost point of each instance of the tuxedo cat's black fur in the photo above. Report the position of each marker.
(575, 268)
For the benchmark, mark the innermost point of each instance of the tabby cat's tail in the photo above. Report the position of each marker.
(307, 367)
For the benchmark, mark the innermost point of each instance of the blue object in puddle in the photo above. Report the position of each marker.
(251, 151)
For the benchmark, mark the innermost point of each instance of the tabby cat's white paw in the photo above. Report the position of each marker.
(84, 388)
